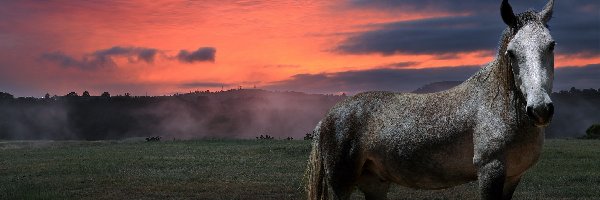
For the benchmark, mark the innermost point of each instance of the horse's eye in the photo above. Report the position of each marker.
(511, 54)
(551, 47)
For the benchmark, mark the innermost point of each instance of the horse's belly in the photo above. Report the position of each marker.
(432, 167)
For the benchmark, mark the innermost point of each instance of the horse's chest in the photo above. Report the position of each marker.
(523, 154)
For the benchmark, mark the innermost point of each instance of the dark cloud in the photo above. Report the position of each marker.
(66, 61)
(406, 80)
(431, 36)
(389, 79)
(579, 36)
(575, 26)
(578, 77)
(399, 65)
(147, 55)
(200, 55)
(453, 6)
(103, 57)
(139, 53)
(420, 5)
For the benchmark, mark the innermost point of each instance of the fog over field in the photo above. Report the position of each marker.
(245, 113)
(227, 114)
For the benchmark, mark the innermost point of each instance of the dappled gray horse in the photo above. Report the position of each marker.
(490, 128)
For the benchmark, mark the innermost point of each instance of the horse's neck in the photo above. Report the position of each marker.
(493, 78)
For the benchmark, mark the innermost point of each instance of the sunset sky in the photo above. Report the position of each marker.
(163, 47)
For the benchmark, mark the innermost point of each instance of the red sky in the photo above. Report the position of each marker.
(257, 43)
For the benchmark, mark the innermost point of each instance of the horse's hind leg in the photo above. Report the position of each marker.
(342, 181)
(341, 173)
(372, 186)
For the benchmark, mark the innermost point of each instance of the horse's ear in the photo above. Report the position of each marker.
(507, 14)
(546, 14)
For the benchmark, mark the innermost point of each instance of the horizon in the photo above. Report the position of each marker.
(267, 90)
(313, 47)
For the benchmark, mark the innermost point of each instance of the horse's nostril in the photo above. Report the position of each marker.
(550, 107)
(530, 112)
(541, 114)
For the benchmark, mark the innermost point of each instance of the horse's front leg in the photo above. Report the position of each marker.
(491, 176)
(510, 185)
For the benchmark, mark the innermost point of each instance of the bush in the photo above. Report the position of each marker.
(309, 136)
(593, 132)
(265, 137)
(153, 139)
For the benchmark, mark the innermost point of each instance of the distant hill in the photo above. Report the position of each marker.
(437, 86)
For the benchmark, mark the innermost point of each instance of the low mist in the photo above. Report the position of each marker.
(228, 114)
(575, 111)
(245, 113)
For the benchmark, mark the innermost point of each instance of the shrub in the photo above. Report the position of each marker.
(265, 137)
(309, 136)
(593, 132)
(153, 139)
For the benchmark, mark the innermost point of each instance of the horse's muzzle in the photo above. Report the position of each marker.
(542, 114)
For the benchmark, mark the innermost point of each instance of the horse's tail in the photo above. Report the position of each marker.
(315, 172)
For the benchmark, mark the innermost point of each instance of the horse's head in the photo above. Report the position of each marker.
(530, 53)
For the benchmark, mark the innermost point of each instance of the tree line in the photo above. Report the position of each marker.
(244, 113)
(234, 113)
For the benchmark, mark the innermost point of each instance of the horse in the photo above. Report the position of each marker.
(489, 129)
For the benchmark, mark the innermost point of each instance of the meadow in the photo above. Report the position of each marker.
(238, 169)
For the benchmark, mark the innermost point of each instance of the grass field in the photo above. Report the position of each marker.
(238, 169)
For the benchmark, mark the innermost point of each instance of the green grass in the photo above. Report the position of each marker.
(238, 169)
